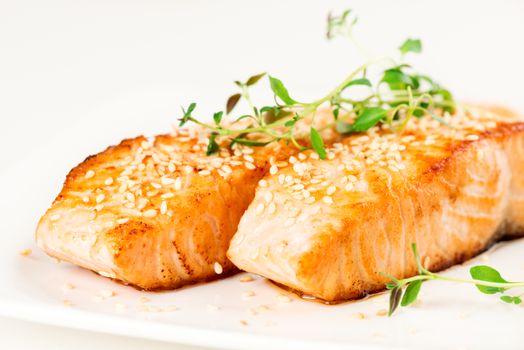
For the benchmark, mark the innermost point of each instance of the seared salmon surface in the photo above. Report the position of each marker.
(157, 213)
(328, 228)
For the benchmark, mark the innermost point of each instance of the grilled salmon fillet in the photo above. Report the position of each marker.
(159, 213)
(327, 228)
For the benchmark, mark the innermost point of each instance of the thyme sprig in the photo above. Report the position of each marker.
(487, 280)
(398, 94)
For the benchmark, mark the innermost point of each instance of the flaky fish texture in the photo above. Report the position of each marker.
(158, 213)
(154, 214)
(328, 228)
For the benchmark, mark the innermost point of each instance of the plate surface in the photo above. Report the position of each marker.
(224, 314)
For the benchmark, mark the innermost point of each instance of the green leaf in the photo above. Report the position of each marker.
(411, 293)
(280, 90)
(361, 81)
(317, 143)
(232, 102)
(488, 274)
(187, 114)
(272, 114)
(253, 79)
(368, 118)
(397, 79)
(511, 299)
(212, 146)
(411, 45)
(394, 299)
(217, 117)
(253, 143)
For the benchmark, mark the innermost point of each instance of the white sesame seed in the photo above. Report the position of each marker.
(273, 170)
(204, 172)
(248, 294)
(109, 181)
(106, 293)
(247, 278)
(67, 287)
(218, 268)
(310, 200)
(283, 298)
(122, 221)
(250, 166)
(150, 213)
(330, 190)
(89, 174)
(178, 183)
(167, 195)
(26, 252)
(262, 183)
(163, 207)
(259, 209)
(472, 137)
(272, 208)
(268, 196)
(143, 300)
(54, 217)
(100, 198)
(167, 181)
(327, 200)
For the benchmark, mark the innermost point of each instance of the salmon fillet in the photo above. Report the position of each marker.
(159, 213)
(327, 228)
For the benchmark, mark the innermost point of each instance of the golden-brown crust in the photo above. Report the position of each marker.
(447, 190)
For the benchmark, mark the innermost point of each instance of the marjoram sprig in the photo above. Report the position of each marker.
(487, 280)
(399, 94)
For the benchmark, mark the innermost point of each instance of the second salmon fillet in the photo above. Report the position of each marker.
(328, 228)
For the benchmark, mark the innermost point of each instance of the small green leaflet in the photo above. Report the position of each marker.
(280, 90)
(411, 293)
(187, 114)
(489, 274)
(232, 102)
(397, 79)
(217, 117)
(212, 146)
(368, 118)
(511, 299)
(361, 81)
(253, 79)
(411, 45)
(317, 143)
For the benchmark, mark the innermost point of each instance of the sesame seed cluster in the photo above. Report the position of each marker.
(144, 181)
(306, 179)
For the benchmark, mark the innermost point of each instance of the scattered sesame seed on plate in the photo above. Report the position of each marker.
(26, 252)
(382, 312)
(283, 298)
(248, 294)
(247, 278)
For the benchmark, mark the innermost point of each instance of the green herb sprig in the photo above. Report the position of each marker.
(404, 292)
(399, 94)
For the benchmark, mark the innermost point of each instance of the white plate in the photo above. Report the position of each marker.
(450, 316)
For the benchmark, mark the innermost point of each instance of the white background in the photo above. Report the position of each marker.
(65, 64)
